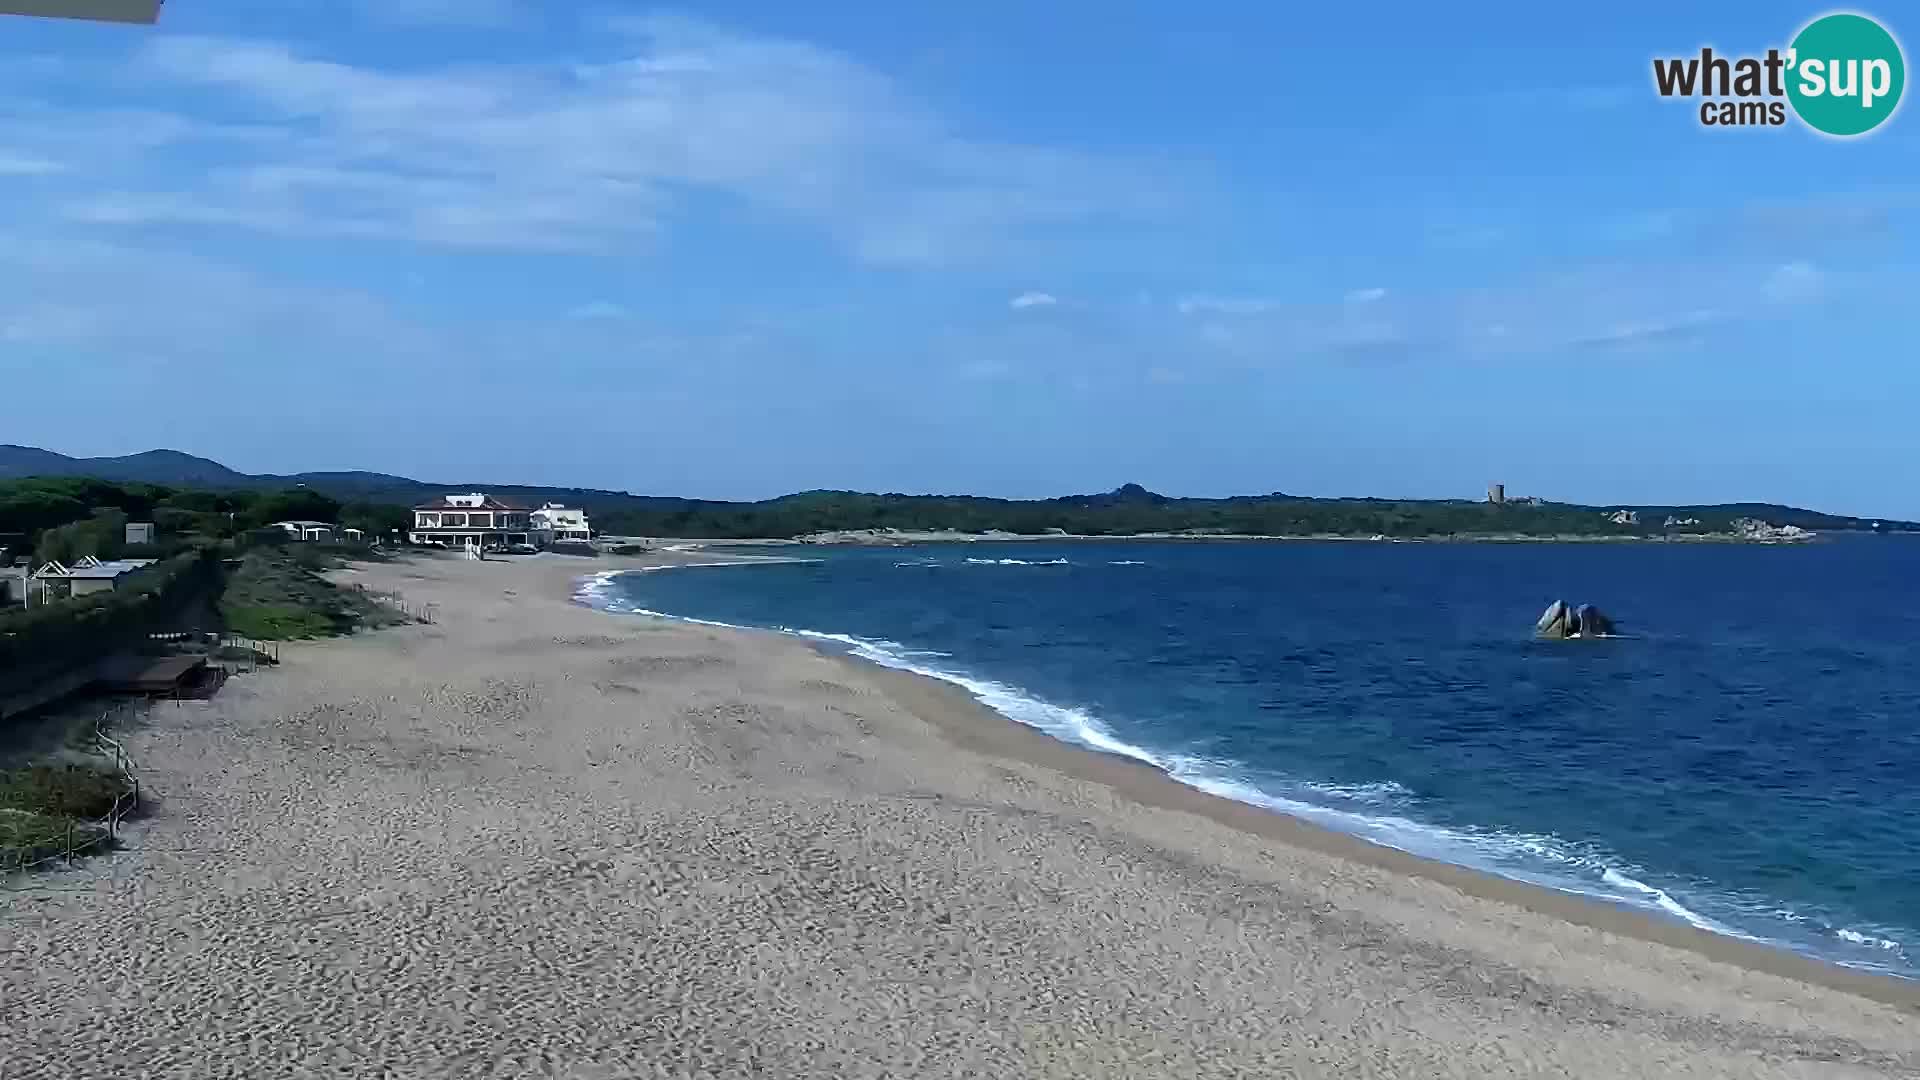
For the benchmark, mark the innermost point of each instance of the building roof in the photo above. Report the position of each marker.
(305, 525)
(487, 502)
(92, 569)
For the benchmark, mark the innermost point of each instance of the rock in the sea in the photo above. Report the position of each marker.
(1561, 621)
(1592, 622)
(1553, 623)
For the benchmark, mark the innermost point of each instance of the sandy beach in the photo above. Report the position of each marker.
(534, 839)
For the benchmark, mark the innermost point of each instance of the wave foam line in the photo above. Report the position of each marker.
(1018, 562)
(1543, 861)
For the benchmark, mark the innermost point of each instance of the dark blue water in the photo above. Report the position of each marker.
(1748, 760)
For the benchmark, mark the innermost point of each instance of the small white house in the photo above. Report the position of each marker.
(311, 531)
(555, 522)
(140, 532)
(89, 575)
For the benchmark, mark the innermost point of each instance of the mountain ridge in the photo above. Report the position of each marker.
(175, 468)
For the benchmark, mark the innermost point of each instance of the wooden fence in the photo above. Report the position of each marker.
(82, 838)
(218, 644)
(420, 613)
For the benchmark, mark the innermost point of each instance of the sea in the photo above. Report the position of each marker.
(1743, 758)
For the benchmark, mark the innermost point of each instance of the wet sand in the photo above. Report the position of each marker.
(538, 840)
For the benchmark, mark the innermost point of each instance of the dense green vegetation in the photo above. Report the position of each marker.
(67, 517)
(276, 593)
(1132, 510)
(42, 642)
(72, 514)
(44, 807)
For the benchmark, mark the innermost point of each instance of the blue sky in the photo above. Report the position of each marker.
(1005, 248)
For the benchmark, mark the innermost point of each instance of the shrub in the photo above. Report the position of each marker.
(71, 790)
(278, 622)
(40, 642)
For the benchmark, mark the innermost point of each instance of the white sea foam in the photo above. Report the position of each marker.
(1379, 792)
(1126, 562)
(1855, 937)
(1017, 562)
(1360, 810)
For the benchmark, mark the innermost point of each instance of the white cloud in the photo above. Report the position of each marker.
(1681, 326)
(1032, 299)
(567, 156)
(141, 305)
(453, 13)
(27, 165)
(1366, 296)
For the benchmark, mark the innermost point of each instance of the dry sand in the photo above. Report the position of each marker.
(537, 840)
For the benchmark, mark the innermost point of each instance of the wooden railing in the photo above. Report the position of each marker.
(84, 837)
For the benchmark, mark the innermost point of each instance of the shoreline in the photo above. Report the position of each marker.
(532, 839)
(947, 706)
(879, 538)
(970, 724)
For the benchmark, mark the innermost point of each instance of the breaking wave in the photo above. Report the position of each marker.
(1379, 812)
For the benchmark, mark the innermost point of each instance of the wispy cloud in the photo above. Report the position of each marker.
(147, 306)
(484, 14)
(1031, 300)
(27, 165)
(1596, 307)
(1687, 325)
(595, 157)
(1224, 305)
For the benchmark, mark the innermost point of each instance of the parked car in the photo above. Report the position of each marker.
(523, 549)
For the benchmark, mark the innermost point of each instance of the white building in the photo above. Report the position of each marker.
(555, 522)
(316, 531)
(89, 575)
(475, 519)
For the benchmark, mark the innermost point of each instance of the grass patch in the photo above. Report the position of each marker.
(29, 837)
(277, 595)
(43, 808)
(66, 790)
(281, 622)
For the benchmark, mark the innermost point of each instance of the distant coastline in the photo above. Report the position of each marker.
(909, 538)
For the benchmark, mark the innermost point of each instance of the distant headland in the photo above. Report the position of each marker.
(1128, 511)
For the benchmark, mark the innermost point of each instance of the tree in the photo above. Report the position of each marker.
(300, 504)
(376, 519)
(102, 535)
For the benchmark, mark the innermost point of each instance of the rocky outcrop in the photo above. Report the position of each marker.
(1755, 529)
(1561, 621)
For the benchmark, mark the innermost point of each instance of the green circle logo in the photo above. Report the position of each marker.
(1846, 74)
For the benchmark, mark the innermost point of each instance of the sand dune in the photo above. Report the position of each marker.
(536, 840)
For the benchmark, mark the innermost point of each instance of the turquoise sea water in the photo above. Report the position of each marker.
(1747, 760)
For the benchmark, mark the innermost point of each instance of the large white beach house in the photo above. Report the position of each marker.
(555, 522)
(472, 520)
